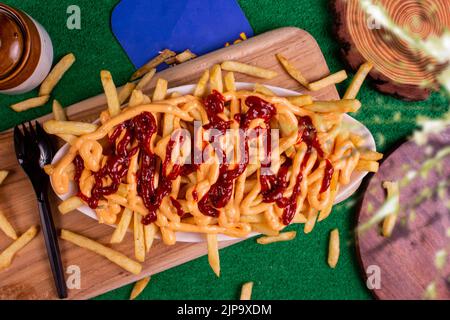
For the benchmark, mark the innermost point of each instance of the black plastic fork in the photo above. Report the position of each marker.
(33, 151)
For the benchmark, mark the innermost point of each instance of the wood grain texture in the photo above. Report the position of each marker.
(406, 259)
(29, 277)
(399, 70)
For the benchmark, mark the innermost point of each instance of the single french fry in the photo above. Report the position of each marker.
(49, 169)
(357, 81)
(137, 98)
(246, 291)
(230, 82)
(126, 92)
(333, 248)
(370, 155)
(185, 56)
(30, 103)
(292, 71)
(299, 218)
(122, 226)
(3, 175)
(334, 78)
(200, 89)
(146, 79)
(111, 93)
(243, 36)
(284, 236)
(139, 241)
(254, 218)
(164, 55)
(357, 140)
(366, 165)
(58, 111)
(338, 106)
(248, 69)
(393, 191)
(139, 286)
(6, 227)
(69, 127)
(213, 253)
(56, 74)
(8, 254)
(149, 234)
(70, 204)
(160, 90)
(259, 88)
(301, 100)
(215, 80)
(110, 254)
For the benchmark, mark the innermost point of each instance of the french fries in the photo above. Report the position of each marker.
(357, 81)
(334, 78)
(122, 227)
(7, 256)
(58, 111)
(70, 204)
(69, 127)
(230, 83)
(56, 74)
(30, 103)
(338, 106)
(139, 241)
(259, 88)
(110, 254)
(366, 165)
(246, 291)
(184, 56)
(125, 92)
(164, 55)
(393, 191)
(284, 236)
(248, 69)
(311, 220)
(111, 93)
(200, 89)
(333, 248)
(6, 227)
(292, 71)
(146, 79)
(213, 253)
(215, 80)
(301, 100)
(137, 98)
(160, 90)
(139, 286)
(3, 175)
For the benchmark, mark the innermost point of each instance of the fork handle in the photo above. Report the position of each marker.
(51, 242)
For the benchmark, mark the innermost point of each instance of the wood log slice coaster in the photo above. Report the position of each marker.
(405, 262)
(399, 70)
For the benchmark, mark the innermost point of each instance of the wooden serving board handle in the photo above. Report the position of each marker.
(29, 277)
(399, 70)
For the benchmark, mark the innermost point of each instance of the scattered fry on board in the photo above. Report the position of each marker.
(3, 175)
(7, 256)
(292, 71)
(393, 191)
(334, 78)
(56, 74)
(357, 81)
(139, 286)
(30, 103)
(163, 55)
(58, 111)
(6, 227)
(246, 291)
(333, 248)
(248, 69)
(284, 236)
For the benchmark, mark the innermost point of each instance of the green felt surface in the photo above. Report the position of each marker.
(292, 270)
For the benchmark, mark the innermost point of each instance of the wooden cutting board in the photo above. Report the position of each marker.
(405, 260)
(29, 277)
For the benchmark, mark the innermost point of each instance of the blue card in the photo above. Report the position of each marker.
(143, 28)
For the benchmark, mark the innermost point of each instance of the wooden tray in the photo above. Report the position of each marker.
(29, 277)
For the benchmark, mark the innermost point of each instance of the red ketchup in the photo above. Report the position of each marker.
(220, 192)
